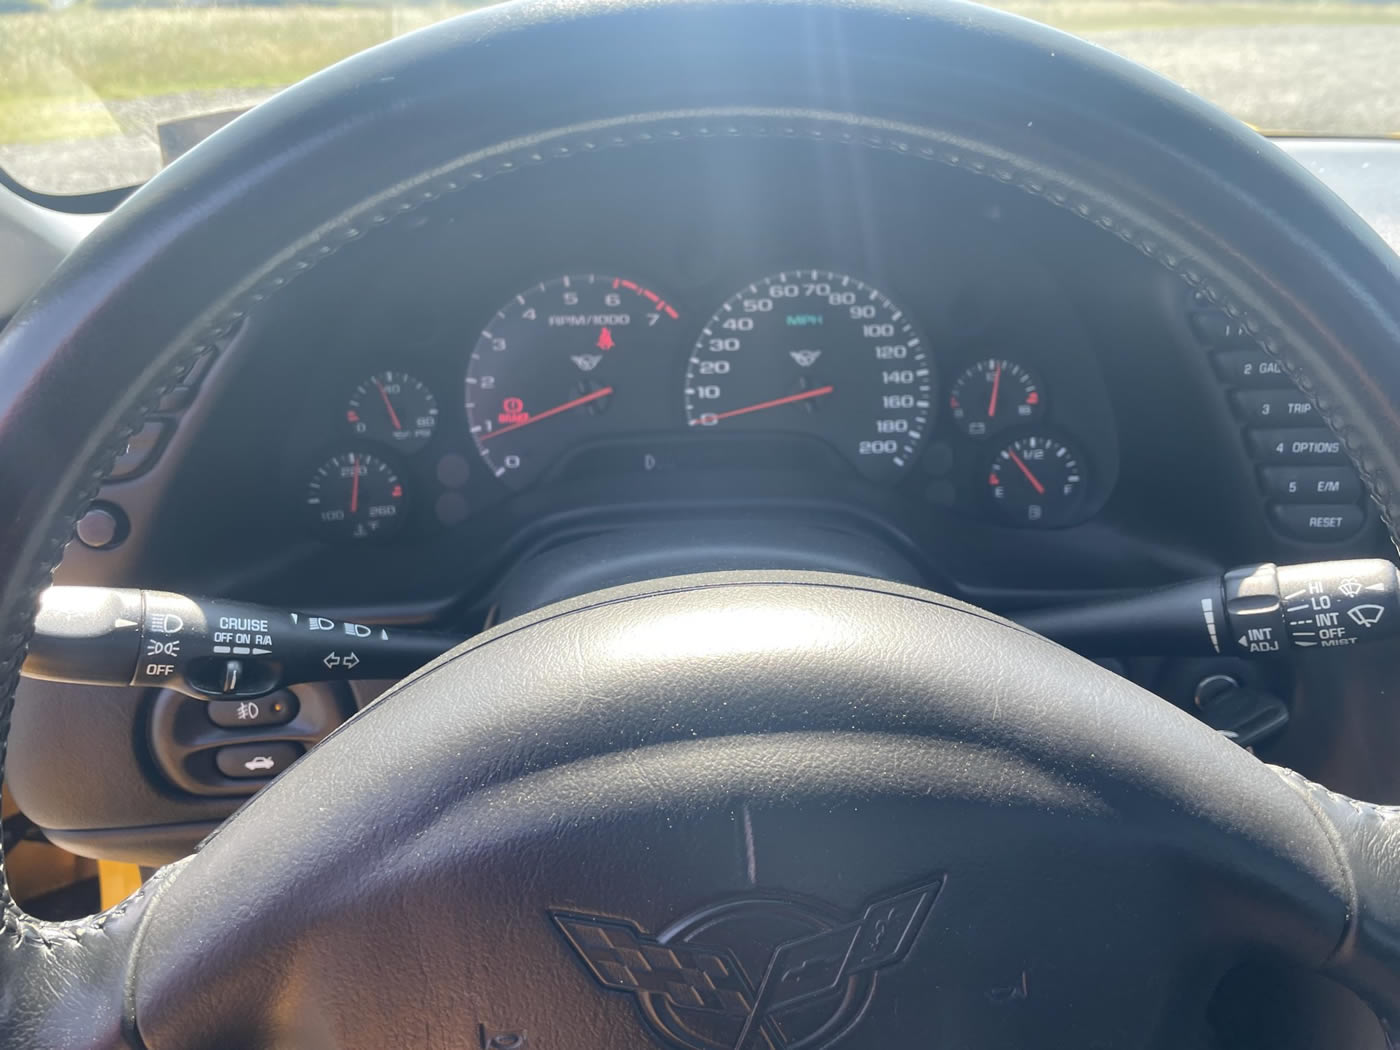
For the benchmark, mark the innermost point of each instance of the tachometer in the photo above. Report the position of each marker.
(821, 353)
(551, 369)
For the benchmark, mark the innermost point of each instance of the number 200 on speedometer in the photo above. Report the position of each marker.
(820, 353)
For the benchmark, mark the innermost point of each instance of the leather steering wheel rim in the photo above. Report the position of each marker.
(397, 128)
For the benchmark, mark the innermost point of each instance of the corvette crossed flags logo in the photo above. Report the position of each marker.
(699, 996)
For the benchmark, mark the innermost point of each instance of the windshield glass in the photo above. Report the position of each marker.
(97, 97)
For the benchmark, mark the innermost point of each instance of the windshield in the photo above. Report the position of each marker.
(93, 97)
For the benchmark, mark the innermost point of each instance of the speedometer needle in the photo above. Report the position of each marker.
(1035, 483)
(996, 389)
(604, 392)
(711, 417)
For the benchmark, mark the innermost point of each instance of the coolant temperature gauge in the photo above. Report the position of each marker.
(354, 496)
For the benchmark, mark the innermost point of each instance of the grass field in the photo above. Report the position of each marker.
(58, 68)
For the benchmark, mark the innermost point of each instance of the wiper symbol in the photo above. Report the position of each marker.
(1366, 615)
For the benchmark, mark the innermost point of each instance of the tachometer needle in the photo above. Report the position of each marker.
(996, 389)
(575, 403)
(710, 417)
(393, 416)
(1035, 482)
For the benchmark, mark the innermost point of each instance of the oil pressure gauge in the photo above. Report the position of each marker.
(395, 408)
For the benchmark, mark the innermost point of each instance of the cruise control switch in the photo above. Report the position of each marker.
(1258, 610)
(207, 648)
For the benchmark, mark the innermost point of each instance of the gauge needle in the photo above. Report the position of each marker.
(354, 486)
(394, 416)
(1035, 483)
(996, 388)
(604, 392)
(710, 417)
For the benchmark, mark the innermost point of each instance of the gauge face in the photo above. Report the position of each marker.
(394, 408)
(1036, 481)
(552, 369)
(819, 353)
(355, 496)
(992, 395)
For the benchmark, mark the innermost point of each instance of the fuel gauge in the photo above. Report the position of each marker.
(1036, 481)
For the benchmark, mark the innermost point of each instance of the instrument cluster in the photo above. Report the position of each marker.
(586, 374)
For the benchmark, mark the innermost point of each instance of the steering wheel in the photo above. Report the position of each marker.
(754, 810)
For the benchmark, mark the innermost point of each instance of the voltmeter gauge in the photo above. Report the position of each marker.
(994, 394)
(354, 496)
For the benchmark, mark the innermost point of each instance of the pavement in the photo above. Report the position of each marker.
(1333, 79)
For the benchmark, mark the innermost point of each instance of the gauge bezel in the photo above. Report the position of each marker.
(919, 425)
(1064, 515)
(335, 532)
(481, 429)
(413, 440)
(970, 367)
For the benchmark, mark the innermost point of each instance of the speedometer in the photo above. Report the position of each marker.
(820, 353)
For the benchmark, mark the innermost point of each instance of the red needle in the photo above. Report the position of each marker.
(711, 417)
(354, 485)
(394, 416)
(549, 412)
(1035, 484)
(996, 387)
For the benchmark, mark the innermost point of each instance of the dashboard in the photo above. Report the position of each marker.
(714, 353)
(1011, 402)
(1015, 403)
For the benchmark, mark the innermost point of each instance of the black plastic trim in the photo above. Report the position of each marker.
(149, 846)
(73, 203)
